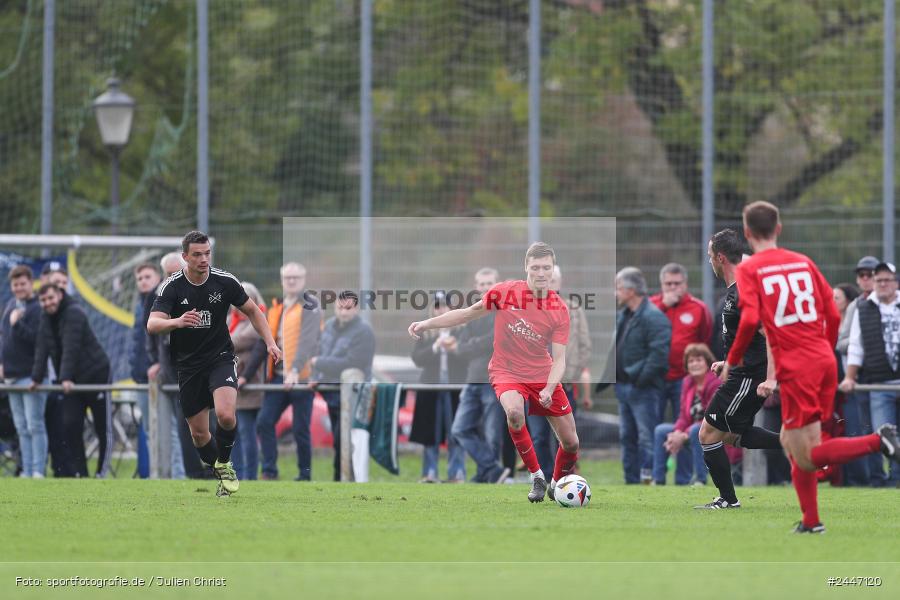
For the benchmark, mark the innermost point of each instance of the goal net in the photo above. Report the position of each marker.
(101, 278)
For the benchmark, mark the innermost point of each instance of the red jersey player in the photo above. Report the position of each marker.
(786, 291)
(531, 322)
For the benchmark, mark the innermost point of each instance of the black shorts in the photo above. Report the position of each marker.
(195, 389)
(735, 404)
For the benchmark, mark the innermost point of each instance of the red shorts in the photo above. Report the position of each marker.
(808, 398)
(559, 404)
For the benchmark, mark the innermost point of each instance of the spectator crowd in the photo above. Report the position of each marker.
(663, 359)
(664, 346)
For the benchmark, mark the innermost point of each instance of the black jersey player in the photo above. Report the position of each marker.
(729, 416)
(192, 305)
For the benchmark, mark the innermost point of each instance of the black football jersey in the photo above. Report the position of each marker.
(755, 362)
(194, 348)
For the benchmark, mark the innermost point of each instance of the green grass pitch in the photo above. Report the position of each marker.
(393, 538)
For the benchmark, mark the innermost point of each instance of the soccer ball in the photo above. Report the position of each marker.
(572, 491)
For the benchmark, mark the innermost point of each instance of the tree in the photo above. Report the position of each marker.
(794, 62)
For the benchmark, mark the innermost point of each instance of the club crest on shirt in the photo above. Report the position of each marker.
(523, 328)
(686, 318)
(215, 297)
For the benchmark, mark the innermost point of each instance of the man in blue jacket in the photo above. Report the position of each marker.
(643, 336)
(347, 342)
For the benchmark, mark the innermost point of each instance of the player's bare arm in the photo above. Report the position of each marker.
(459, 316)
(767, 387)
(556, 373)
(849, 382)
(258, 320)
(160, 322)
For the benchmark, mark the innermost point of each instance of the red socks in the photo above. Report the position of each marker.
(564, 463)
(837, 451)
(834, 451)
(522, 441)
(806, 486)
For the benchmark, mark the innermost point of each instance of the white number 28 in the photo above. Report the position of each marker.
(800, 284)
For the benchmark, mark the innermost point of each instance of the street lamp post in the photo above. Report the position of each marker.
(114, 110)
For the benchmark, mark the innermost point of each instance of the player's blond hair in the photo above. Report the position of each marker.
(540, 250)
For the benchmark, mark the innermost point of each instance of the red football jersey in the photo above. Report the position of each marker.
(786, 291)
(524, 329)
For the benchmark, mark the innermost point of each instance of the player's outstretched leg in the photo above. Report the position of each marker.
(225, 399)
(758, 438)
(805, 448)
(223, 467)
(837, 451)
(567, 454)
(513, 404)
(890, 444)
(204, 442)
(522, 440)
(806, 486)
(712, 441)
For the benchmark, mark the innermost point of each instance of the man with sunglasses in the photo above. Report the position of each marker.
(865, 271)
(857, 414)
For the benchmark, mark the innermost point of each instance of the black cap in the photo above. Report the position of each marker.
(51, 267)
(867, 263)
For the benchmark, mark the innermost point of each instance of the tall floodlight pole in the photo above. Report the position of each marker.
(534, 121)
(888, 134)
(708, 149)
(365, 148)
(203, 115)
(47, 119)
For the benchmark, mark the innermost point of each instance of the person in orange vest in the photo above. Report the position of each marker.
(296, 323)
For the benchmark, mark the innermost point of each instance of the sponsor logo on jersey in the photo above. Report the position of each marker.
(523, 328)
(205, 320)
(185, 301)
(230, 379)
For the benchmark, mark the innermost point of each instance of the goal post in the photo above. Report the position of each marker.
(101, 278)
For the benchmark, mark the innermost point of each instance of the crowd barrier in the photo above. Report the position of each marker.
(159, 420)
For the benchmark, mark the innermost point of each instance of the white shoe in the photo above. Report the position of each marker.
(37, 476)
